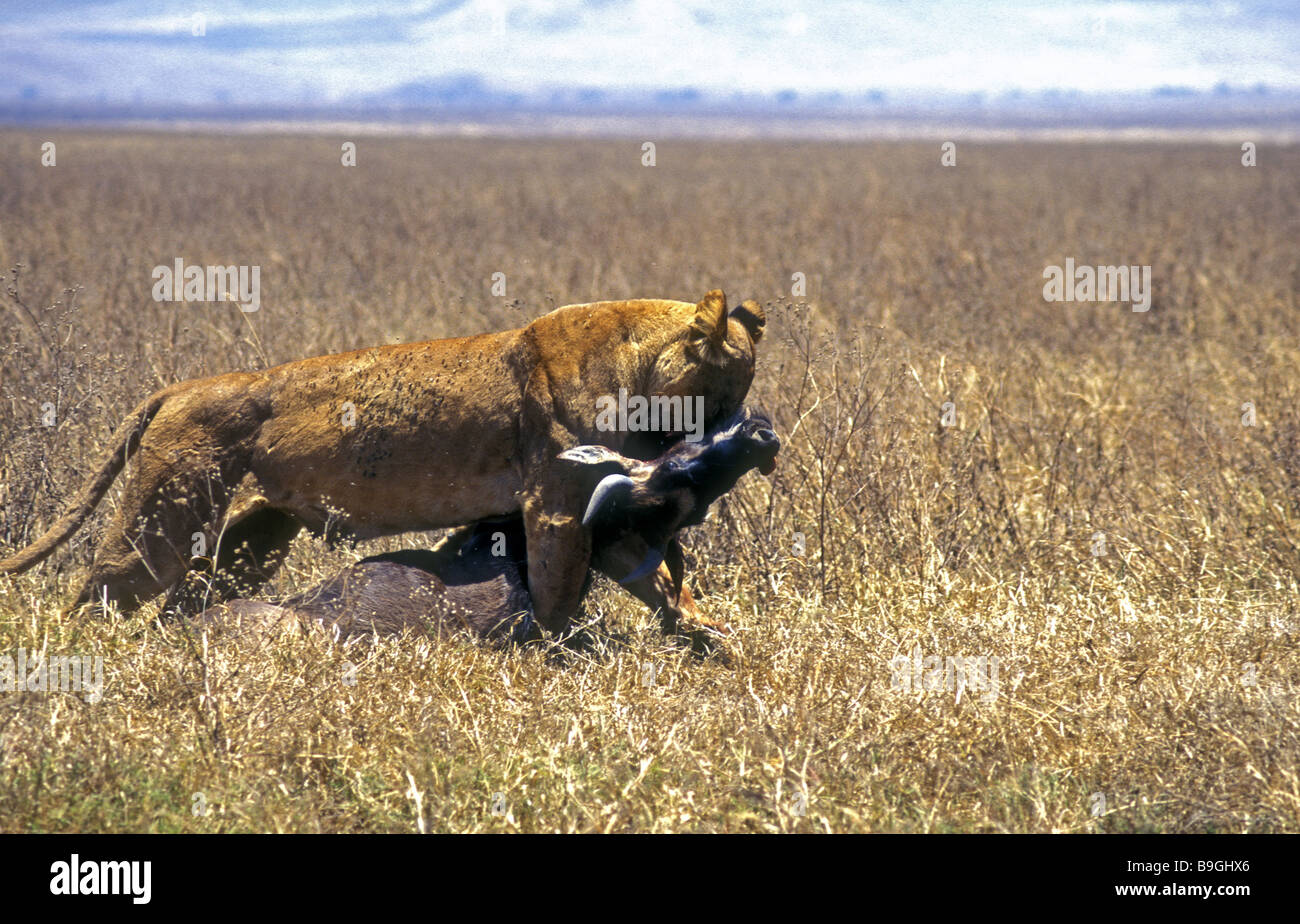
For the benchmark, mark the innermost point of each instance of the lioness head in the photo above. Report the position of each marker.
(714, 359)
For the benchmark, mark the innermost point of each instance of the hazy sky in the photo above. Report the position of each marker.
(329, 50)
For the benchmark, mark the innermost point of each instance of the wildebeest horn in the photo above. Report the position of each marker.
(649, 565)
(593, 455)
(610, 487)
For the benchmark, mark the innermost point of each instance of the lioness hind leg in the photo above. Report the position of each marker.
(167, 520)
(249, 553)
(121, 576)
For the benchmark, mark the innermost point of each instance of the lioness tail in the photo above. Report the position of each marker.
(125, 442)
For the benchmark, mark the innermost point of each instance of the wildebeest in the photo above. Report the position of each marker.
(477, 579)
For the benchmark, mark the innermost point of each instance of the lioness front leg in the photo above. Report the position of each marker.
(559, 554)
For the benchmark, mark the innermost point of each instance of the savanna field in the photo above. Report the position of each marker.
(1107, 502)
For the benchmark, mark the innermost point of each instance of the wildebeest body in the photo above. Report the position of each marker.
(419, 590)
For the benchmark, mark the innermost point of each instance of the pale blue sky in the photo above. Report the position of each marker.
(334, 50)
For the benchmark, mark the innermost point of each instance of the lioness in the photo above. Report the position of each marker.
(401, 438)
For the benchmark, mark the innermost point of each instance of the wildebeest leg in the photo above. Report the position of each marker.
(662, 590)
(251, 624)
(248, 554)
(687, 609)
(449, 544)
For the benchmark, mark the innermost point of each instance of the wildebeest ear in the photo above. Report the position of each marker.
(710, 321)
(597, 455)
(750, 313)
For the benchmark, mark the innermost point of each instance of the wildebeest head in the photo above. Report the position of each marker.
(655, 499)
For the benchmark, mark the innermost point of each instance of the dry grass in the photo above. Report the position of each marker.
(1161, 672)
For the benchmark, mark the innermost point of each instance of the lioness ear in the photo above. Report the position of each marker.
(597, 455)
(711, 319)
(750, 313)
